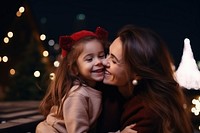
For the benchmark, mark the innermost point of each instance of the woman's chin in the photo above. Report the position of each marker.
(106, 81)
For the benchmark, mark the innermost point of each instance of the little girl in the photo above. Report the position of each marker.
(72, 104)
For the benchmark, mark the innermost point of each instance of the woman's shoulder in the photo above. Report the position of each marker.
(137, 108)
(136, 111)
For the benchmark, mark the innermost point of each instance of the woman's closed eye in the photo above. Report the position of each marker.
(114, 61)
(111, 58)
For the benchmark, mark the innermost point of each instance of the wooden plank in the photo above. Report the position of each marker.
(18, 114)
(19, 117)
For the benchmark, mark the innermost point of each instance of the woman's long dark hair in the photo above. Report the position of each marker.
(147, 56)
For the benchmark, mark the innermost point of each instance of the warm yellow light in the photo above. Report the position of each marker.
(193, 109)
(45, 53)
(6, 39)
(42, 37)
(56, 63)
(0, 59)
(52, 76)
(196, 113)
(21, 9)
(194, 101)
(18, 14)
(12, 71)
(10, 34)
(5, 59)
(196, 108)
(37, 74)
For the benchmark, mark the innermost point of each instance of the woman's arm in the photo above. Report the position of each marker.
(127, 129)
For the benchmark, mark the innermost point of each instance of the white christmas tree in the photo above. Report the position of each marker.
(188, 74)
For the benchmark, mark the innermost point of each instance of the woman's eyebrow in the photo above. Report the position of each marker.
(114, 57)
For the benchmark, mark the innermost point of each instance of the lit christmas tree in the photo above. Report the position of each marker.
(187, 74)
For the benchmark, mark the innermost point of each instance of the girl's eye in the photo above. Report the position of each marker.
(102, 56)
(88, 59)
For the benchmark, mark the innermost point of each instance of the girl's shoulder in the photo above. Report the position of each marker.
(84, 90)
(78, 89)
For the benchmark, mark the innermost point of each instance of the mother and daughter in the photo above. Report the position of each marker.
(138, 95)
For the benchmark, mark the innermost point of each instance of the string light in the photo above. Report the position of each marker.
(45, 53)
(37, 73)
(51, 42)
(6, 39)
(5, 59)
(21, 9)
(18, 14)
(42, 37)
(196, 108)
(10, 34)
(12, 71)
(52, 76)
(56, 63)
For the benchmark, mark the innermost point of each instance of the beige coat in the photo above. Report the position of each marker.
(80, 111)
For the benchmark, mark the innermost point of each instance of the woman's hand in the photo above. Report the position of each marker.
(129, 129)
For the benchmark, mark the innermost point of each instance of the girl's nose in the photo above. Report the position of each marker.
(99, 61)
(106, 62)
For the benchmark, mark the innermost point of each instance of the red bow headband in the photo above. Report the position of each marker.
(66, 42)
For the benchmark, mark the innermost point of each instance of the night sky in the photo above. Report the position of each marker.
(173, 20)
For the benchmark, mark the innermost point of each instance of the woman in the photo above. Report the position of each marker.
(139, 65)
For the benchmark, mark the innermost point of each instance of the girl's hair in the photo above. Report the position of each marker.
(147, 56)
(64, 78)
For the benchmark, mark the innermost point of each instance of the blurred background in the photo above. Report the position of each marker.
(29, 32)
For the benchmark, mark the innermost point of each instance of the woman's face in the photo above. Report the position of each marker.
(116, 72)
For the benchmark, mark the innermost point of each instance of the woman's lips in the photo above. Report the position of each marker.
(107, 72)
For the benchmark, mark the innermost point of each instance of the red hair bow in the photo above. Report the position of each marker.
(66, 42)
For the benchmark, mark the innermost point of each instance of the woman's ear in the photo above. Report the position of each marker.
(135, 76)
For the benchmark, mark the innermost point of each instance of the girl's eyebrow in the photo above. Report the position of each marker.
(91, 54)
(87, 55)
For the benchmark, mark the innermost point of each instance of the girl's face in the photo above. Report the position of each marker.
(116, 72)
(89, 62)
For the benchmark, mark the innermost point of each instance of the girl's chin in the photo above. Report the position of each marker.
(99, 79)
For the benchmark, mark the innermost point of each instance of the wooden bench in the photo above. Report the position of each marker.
(19, 117)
